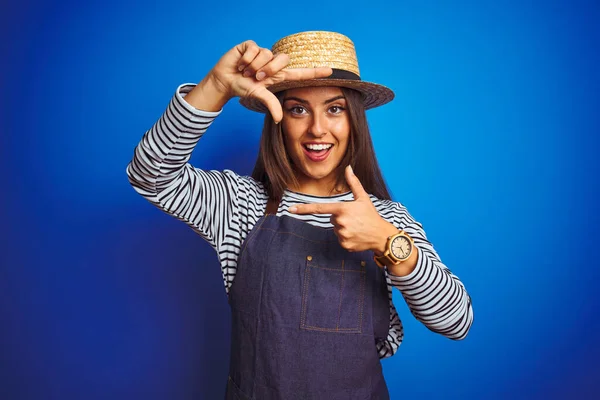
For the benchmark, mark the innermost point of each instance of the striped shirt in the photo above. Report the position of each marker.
(223, 207)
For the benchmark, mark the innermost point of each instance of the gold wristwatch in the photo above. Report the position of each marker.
(398, 248)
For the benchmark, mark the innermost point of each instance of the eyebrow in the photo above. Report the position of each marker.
(306, 101)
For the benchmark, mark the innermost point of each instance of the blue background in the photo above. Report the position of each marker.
(491, 143)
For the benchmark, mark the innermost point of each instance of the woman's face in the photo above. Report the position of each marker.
(316, 128)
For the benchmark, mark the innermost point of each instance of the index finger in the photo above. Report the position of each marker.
(297, 74)
(317, 208)
(247, 51)
(272, 67)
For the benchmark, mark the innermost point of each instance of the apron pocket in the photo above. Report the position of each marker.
(333, 296)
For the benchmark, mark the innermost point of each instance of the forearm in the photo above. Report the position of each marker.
(435, 296)
(160, 171)
(208, 95)
(165, 149)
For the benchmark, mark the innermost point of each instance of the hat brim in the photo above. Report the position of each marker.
(374, 95)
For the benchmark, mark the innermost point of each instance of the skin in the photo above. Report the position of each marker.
(315, 115)
(357, 224)
(247, 71)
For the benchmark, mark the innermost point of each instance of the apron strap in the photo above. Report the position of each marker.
(271, 207)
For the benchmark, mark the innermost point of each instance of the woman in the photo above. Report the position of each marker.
(309, 249)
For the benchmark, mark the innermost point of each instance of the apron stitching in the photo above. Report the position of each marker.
(337, 327)
(336, 269)
(361, 302)
(317, 328)
(250, 237)
(304, 312)
(303, 237)
(304, 295)
(245, 244)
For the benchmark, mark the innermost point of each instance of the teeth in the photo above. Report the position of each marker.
(318, 146)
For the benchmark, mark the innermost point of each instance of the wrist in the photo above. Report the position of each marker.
(401, 261)
(384, 232)
(208, 95)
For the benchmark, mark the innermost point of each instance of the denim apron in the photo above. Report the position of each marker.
(306, 315)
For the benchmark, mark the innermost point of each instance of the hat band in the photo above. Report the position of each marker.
(342, 74)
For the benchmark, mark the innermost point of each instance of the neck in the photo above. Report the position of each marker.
(317, 188)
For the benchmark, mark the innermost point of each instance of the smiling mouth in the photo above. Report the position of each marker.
(316, 152)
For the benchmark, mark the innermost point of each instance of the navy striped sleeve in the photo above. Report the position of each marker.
(434, 295)
(160, 171)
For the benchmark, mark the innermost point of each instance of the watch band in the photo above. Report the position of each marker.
(384, 261)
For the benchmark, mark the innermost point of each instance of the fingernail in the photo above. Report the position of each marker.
(247, 73)
(351, 170)
(241, 67)
(293, 209)
(260, 75)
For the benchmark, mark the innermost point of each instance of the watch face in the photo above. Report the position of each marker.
(401, 247)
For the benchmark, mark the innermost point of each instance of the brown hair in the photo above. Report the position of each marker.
(274, 169)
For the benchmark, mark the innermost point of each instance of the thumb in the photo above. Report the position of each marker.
(357, 188)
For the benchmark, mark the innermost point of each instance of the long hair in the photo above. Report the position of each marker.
(274, 168)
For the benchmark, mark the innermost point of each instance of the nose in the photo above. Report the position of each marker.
(318, 126)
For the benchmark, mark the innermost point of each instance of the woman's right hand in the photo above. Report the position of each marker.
(247, 71)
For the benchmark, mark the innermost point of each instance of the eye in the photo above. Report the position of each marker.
(297, 110)
(336, 109)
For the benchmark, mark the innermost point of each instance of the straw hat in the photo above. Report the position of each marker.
(324, 49)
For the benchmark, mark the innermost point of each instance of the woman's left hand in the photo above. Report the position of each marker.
(357, 223)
